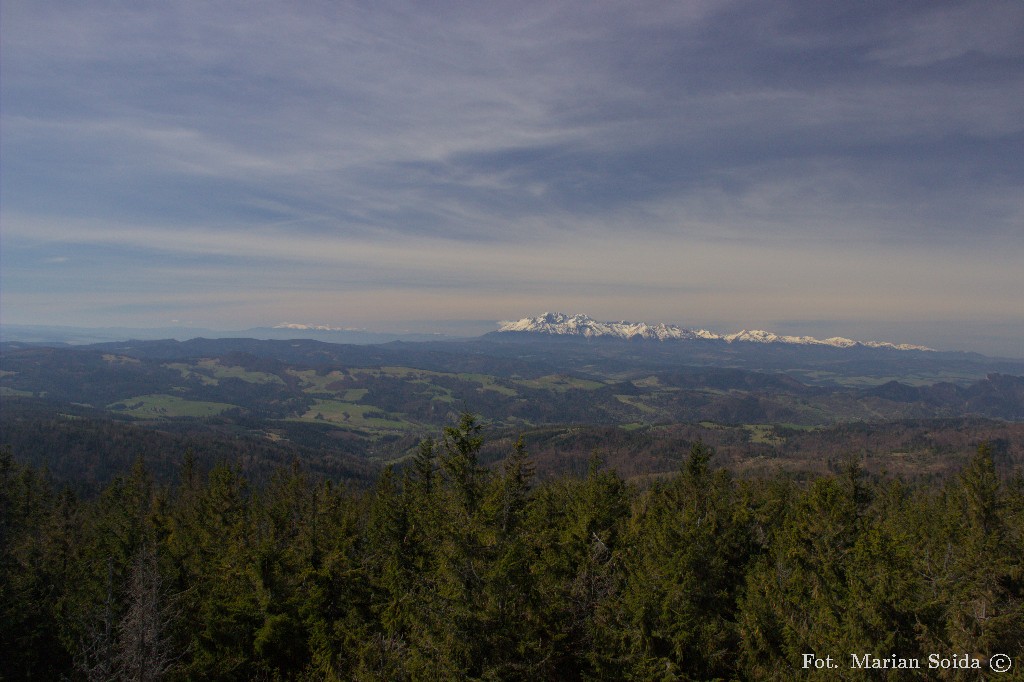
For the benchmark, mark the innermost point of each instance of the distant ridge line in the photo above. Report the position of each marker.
(561, 324)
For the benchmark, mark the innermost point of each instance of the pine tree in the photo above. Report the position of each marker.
(685, 574)
(460, 462)
(212, 545)
(796, 595)
(575, 532)
(986, 608)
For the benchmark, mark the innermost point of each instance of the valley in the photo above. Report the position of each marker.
(633, 403)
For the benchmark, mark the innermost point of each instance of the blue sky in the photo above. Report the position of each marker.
(806, 167)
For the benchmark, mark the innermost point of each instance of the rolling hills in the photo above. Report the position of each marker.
(365, 405)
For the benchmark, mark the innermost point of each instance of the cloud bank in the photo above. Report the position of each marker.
(705, 163)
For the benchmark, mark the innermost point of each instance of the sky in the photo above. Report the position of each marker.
(806, 167)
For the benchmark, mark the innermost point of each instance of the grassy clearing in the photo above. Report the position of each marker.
(869, 381)
(354, 395)
(314, 383)
(409, 373)
(8, 391)
(560, 383)
(486, 381)
(317, 383)
(638, 403)
(798, 427)
(210, 372)
(396, 372)
(162, 405)
(186, 372)
(120, 360)
(355, 415)
(489, 383)
(763, 433)
(439, 393)
(220, 371)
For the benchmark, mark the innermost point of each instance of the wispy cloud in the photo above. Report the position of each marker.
(541, 151)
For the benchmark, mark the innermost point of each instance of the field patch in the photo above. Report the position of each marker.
(162, 405)
(120, 359)
(314, 382)
(186, 372)
(354, 395)
(638, 403)
(560, 383)
(209, 371)
(914, 378)
(488, 383)
(763, 433)
(355, 415)
(219, 371)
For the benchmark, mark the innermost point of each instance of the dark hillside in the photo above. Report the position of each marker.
(84, 448)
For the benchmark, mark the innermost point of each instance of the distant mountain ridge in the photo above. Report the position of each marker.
(283, 331)
(561, 324)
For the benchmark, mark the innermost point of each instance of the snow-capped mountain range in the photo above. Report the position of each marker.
(561, 324)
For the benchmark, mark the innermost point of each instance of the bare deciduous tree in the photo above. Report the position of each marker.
(137, 645)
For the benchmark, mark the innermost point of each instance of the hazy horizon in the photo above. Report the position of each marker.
(1000, 342)
(801, 167)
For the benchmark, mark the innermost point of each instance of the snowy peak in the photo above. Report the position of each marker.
(560, 324)
(761, 336)
(582, 325)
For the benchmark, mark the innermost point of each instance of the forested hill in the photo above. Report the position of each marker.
(283, 380)
(344, 411)
(85, 449)
(255, 536)
(453, 571)
(508, 354)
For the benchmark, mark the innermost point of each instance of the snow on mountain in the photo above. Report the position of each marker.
(896, 346)
(582, 325)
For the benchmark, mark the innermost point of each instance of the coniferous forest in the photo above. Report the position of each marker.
(445, 569)
(644, 340)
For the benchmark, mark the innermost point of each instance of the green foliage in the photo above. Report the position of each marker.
(686, 569)
(453, 570)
